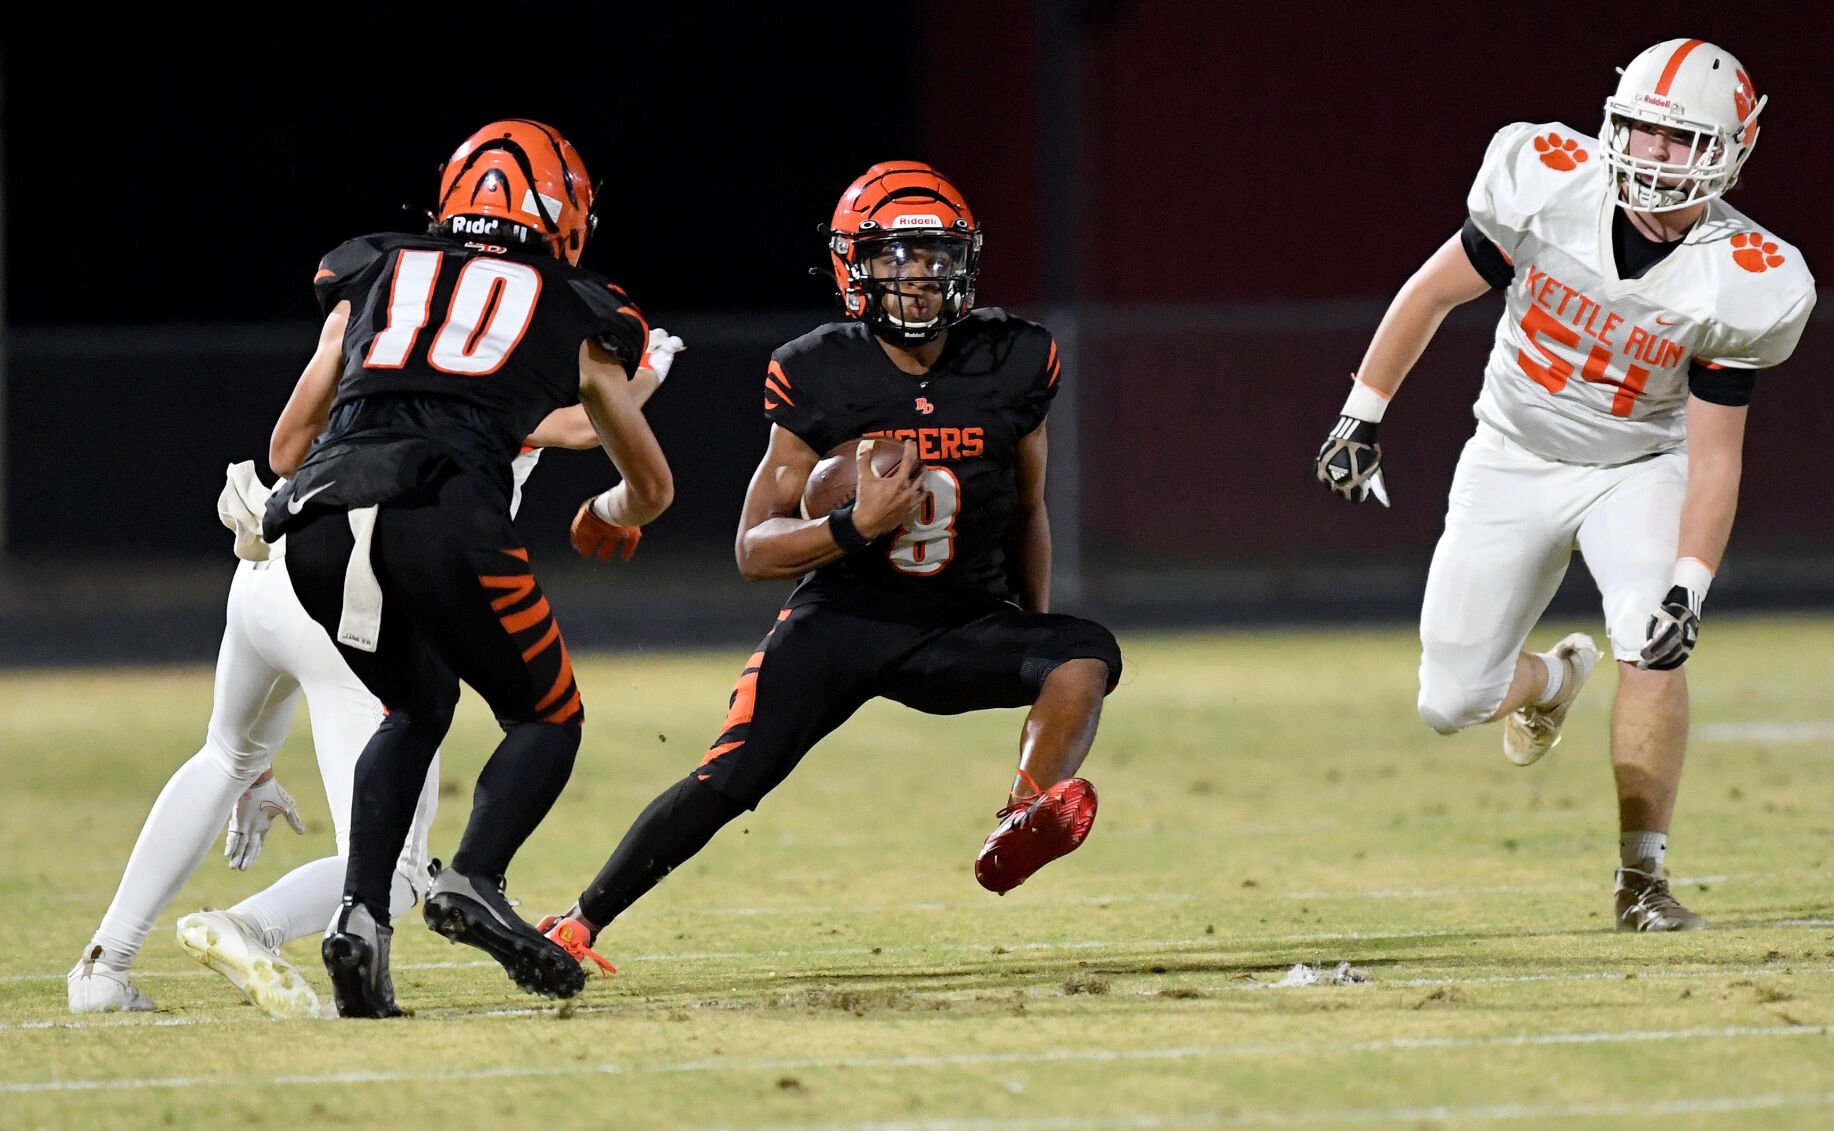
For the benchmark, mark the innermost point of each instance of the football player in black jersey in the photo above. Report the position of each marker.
(932, 587)
(447, 350)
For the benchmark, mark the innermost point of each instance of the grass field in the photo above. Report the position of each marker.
(1267, 799)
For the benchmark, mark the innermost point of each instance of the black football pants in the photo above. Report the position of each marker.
(816, 667)
(459, 603)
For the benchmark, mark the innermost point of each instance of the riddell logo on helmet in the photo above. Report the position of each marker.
(475, 225)
(918, 221)
(1660, 102)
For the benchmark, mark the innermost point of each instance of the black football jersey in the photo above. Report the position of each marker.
(433, 319)
(991, 387)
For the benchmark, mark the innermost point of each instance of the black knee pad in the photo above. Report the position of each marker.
(714, 801)
(1075, 638)
(436, 715)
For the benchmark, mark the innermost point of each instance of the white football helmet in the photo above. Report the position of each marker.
(1686, 85)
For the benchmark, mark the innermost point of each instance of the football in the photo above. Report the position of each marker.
(835, 479)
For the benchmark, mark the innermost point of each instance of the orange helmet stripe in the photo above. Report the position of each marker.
(1674, 65)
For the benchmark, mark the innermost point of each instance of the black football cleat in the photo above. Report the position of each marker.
(355, 951)
(475, 913)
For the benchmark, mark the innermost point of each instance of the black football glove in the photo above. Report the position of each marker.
(1350, 461)
(1673, 629)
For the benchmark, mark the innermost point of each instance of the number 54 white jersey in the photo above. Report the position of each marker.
(1592, 368)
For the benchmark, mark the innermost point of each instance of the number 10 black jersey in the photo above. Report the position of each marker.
(500, 330)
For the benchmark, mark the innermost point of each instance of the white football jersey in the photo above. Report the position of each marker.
(1590, 368)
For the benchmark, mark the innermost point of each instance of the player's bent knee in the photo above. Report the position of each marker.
(242, 765)
(435, 715)
(1080, 639)
(732, 798)
(1448, 716)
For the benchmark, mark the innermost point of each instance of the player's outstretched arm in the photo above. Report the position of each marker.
(1349, 462)
(658, 359)
(570, 427)
(1716, 447)
(1029, 549)
(1446, 280)
(648, 487)
(776, 542)
(308, 409)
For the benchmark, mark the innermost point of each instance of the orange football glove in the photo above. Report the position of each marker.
(599, 540)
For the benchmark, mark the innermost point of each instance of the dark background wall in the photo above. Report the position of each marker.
(1311, 150)
(1246, 169)
(1210, 202)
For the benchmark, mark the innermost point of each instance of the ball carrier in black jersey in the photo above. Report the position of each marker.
(447, 349)
(932, 587)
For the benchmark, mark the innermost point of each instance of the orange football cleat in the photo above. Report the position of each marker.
(1034, 832)
(572, 936)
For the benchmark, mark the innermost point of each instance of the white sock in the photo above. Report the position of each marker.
(1556, 678)
(1639, 849)
(191, 810)
(303, 901)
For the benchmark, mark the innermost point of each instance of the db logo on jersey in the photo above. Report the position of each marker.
(924, 406)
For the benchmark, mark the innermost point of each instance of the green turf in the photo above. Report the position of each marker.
(1267, 798)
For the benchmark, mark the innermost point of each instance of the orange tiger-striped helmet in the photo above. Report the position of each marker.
(517, 182)
(906, 251)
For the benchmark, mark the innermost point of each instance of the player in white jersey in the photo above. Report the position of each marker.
(1612, 420)
(271, 653)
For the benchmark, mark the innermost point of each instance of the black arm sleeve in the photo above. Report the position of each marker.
(1485, 256)
(1726, 385)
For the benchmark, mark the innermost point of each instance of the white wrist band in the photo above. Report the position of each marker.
(601, 508)
(1693, 574)
(1365, 403)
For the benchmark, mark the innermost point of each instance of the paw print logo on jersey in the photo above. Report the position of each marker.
(1754, 253)
(1562, 153)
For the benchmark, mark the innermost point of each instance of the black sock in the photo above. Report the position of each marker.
(676, 825)
(518, 786)
(389, 777)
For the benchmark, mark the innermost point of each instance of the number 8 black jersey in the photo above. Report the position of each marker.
(991, 388)
(499, 330)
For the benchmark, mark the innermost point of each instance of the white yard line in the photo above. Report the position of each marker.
(893, 908)
(128, 1021)
(957, 1060)
(1500, 889)
(1527, 979)
(1638, 1110)
(1179, 945)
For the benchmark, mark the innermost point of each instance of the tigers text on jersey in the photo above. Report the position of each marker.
(430, 316)
(1591, 368)
(991, 388)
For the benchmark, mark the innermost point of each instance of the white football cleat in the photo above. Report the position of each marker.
(232, 948)
(98, 987)
(1530, 731)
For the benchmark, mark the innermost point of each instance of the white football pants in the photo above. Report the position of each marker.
(1512, 523)
(271, 652)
